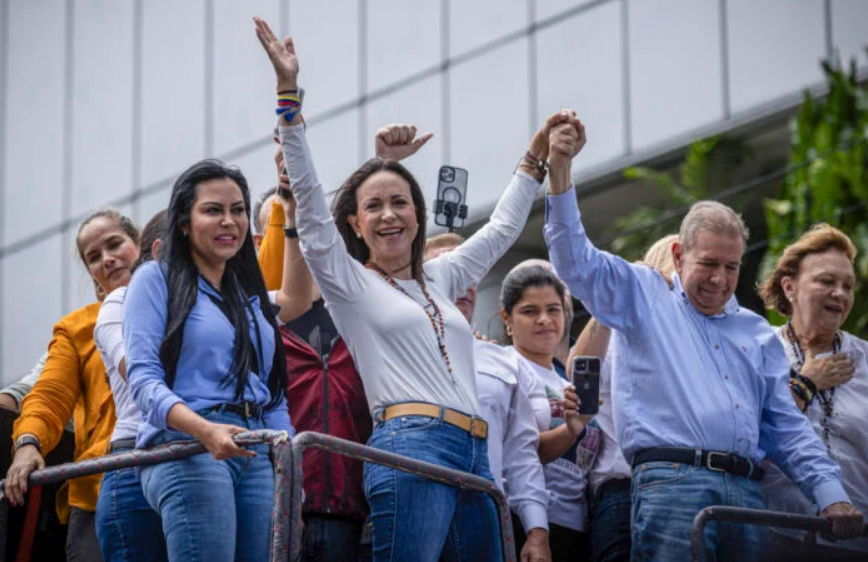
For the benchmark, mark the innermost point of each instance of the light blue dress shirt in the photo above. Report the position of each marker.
(685, 379)
(206, 355)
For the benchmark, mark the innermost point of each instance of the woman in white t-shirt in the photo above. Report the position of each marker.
(127, 527)
(412, 346)
(532, 309)
(812, 285)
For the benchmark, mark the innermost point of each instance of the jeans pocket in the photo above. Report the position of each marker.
(654, 474)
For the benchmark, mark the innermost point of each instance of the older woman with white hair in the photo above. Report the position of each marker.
(812, 285)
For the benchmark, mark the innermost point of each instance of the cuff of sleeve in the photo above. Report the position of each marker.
(830, 492)
(533, 515)
(562, 208)
(161, 419)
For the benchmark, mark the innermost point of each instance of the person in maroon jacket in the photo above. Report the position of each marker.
(324, 391)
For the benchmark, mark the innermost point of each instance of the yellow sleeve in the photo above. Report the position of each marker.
(47, 408)
(271, 249)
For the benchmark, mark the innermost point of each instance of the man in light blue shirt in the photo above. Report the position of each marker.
(702, 393)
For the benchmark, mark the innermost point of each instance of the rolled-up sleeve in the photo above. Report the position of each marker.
(144, 327)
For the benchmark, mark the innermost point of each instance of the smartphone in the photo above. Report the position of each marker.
(586, 379)
(451, 203)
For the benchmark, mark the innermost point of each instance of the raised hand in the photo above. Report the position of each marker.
(539, 145)
(282, 55)
(397, 142)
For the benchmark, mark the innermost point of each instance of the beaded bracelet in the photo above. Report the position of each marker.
(288, 105)
(808, 382)
(801, 391)
(539, 165)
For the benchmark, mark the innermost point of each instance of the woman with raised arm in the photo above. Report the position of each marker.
(203, 361)
(413, 347)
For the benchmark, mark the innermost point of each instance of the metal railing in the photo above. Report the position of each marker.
(281, 451)
(752, 517)
(287, 525)
(463, 480)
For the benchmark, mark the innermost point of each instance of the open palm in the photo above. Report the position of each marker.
(281, 53)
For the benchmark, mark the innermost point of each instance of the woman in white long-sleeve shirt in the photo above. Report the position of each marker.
(413, 347)
(812, 285)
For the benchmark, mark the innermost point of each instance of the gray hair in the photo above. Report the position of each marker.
(713, 217)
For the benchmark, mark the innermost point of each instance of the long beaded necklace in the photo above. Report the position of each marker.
(826, 399)
(436, 319)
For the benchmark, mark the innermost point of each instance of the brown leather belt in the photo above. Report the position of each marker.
(477, 427)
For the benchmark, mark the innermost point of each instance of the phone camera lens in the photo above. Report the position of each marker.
(447, 175)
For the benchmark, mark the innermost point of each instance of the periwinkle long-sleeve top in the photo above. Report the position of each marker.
(688, 380)
(206, 355)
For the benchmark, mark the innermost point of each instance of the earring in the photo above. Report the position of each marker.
(509, 330)
(358, 234)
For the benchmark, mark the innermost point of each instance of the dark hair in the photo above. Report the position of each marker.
(519, 280)
(257, 208)
(153, 231)
(241, 279)
(345, 204)
(124, 222)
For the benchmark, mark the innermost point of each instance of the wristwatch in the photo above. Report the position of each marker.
(28, 439)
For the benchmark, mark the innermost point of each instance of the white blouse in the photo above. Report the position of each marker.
(388, 333)
(109, 338)
(848, 444)
(513, 438)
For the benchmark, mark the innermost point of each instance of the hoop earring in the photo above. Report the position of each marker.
(509, 330)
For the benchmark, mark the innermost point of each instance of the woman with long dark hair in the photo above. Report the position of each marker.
(413, 347)
(200, 336)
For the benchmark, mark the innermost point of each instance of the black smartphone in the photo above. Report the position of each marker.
(451, 203)
(586, 379)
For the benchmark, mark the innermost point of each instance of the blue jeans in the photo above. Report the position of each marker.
(127, 528)
(666, 498)
(610, 522)
(419, 520)
(329, 538)
(214, 511)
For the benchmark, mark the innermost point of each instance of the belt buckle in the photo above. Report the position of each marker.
(710, 456)
(247, 410)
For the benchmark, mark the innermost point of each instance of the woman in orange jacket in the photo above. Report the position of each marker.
(74, 382)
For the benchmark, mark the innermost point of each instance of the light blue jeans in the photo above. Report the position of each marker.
(214, 511)
(127, 528)
(416, 519)
(666, 498)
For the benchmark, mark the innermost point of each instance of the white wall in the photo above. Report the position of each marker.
(107, 102)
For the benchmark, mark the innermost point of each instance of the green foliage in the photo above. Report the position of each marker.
(708, 166)
(828, 180)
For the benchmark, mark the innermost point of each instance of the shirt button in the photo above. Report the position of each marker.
(736, 406)
(740, 439)
(716, 346)
(726, 377)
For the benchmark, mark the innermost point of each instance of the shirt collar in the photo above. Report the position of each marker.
(731, 306)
